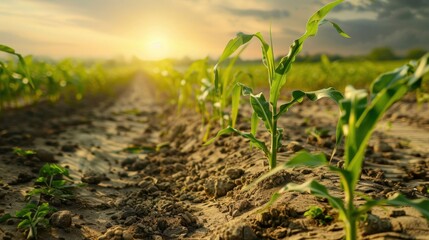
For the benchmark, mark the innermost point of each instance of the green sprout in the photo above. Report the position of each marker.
(317, 213)
(23, 153)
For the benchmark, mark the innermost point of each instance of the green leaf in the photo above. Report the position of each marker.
(268, 56)
(317, 189)
(262, 109)
(259, 144)
(27, 209)
(41, 180)
(58, 183)
(296, 47)
(233, 45)
(307, 159)
(245, 90)
(300, 159)
(421, 205)
(26, 223)
(297, 96)
(254, 123)
(51, 169)
(273, 199)
(339, 30)
(6, 49)
(5, 217)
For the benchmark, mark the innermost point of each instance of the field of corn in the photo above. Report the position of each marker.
(215, 149)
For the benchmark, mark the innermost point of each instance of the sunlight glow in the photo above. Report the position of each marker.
(156, 46)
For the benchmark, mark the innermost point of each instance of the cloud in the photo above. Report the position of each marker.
(367, 34)
(389, 9)
(257, 13)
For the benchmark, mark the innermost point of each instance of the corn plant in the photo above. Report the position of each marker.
(358, 119)
(268, 111)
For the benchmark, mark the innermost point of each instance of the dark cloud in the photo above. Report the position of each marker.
(368, 34)
(257, 13)
(390, 9)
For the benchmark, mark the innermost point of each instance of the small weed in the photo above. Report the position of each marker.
(52, 182)
(23, 153)
(32, 217)
(35, 214)
(146, 148)
(317, 213)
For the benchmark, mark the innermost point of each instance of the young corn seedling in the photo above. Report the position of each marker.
(359, 116)
(269, 111)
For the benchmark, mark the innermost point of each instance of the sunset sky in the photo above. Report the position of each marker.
(199, 28)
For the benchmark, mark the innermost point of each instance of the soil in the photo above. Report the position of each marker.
(173, 187)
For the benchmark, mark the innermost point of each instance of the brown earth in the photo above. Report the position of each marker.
(175, 188)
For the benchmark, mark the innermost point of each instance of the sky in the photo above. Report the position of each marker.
(156, 29)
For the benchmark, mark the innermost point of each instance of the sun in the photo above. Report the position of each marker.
(156, 46)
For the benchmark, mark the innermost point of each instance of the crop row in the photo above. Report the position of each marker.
(217, 93)
(26, 80)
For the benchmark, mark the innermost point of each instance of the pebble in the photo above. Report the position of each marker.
(92, 177)
(69, 148)
(381, 146)
(294, 146)
(45, 156)
(61, 219)
(218, 187)
(234, 173)
(175, 232)
(374, 224)
(397, 213)
(239, 231)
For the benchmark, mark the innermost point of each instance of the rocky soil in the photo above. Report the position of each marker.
(147, 175)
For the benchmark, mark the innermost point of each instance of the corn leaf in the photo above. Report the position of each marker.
(300, 159)
(233, 45)
(259, 144)
(359, 117)
(338, 28)
(422, 205)
(297, 96)
(317, 189)
(262, 109)
(254, 123)
(6, 49)
(267, 56)
(296, 47)
(307, 159)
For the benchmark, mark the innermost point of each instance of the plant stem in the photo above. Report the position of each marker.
(273, 157)
(351, 229)
(351, 221)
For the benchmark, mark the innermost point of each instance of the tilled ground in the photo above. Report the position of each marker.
(172, 187)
